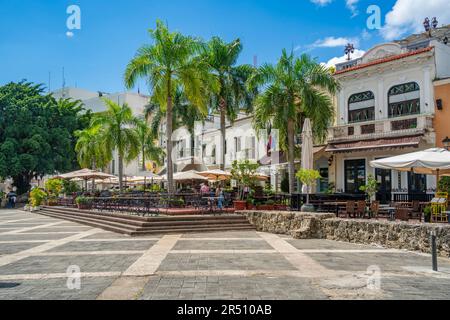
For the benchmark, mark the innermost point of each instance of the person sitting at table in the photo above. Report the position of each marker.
(204, 189)
(220, 197)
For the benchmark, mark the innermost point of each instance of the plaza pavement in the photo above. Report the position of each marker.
(36, 252)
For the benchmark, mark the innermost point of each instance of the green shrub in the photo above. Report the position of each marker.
(83, 200)
(70, 187)
(270, 202)
(37, 197)
(54, 186)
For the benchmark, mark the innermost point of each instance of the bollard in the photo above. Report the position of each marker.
(434, 251)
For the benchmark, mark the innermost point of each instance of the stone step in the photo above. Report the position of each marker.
(94, 224)
(121, 225)
(228, 219)
(146, 219)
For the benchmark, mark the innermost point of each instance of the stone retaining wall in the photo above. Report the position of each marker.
(395, 235)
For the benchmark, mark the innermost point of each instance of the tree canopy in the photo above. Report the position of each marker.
(37, 133)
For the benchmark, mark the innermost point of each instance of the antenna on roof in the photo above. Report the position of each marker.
(49, 81)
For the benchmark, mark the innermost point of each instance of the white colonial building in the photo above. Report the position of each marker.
(386, 107)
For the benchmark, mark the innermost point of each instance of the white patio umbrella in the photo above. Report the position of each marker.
(86, 174)
(188, 176)
(307, 150)
(216, 175)
(430, 162)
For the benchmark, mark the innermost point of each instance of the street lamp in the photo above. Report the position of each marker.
(446, 143)
(426, 24)
(349, 49)
(434, 23)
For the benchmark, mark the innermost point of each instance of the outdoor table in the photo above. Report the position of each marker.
(336, 204)
(391, 212)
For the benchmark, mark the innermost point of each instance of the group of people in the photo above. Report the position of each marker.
(205, 190)
(11, 198)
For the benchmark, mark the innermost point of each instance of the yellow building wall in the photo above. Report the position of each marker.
(442, 118)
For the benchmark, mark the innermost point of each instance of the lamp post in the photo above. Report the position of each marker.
(349, 49)
(446, 143)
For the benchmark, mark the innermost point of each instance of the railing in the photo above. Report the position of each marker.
(409, 197)
(317, 200)
(408, 125)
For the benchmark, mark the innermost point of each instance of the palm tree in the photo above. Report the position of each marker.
(296, 88)
(171, 63)
(184, 115)
(231, 96)
(149, 151)
(90, 151)
(117, 132)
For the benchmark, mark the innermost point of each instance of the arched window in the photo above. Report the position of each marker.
(404, 100)
(361, 107)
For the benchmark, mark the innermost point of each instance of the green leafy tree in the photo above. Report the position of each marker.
(232, 95)
(371, 188)
(244, 172)
(308, 177)
(37, 133)
(295, 88)
(117, 133)
(171, 63)
(54, 186)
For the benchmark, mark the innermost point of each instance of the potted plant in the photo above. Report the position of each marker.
(427, 214)
(52, 200)
(269, 205)
(83, 203)
(37, 197)
(371, 188)
(308, 177)
(280, 206)
(244, 173)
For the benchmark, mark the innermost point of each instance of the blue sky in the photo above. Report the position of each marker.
(33, 40)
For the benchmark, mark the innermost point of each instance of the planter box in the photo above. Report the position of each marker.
(281, 207)
(240, 205)
(265, 207)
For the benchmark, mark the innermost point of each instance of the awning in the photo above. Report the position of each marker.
(388, 143)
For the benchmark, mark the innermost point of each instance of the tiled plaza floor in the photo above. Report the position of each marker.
(39, 255)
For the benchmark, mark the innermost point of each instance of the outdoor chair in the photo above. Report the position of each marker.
(402, 214)
(349, 210)
(416, 210)
(374, 209)
(361, 209)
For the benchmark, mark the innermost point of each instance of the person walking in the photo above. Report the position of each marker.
(12, 199)
(220, 197)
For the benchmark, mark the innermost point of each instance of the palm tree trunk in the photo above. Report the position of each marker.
(291, 154)
(120, 173)
(143, 160)
(223, 109)
(169, 145)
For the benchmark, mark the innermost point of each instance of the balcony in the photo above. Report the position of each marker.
(392, 127)
(187, 154)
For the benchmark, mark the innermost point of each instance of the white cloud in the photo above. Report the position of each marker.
(407, 16)
(321, 2)
(332, 62)
(69, 34)
(352, 6)
(332, 42)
